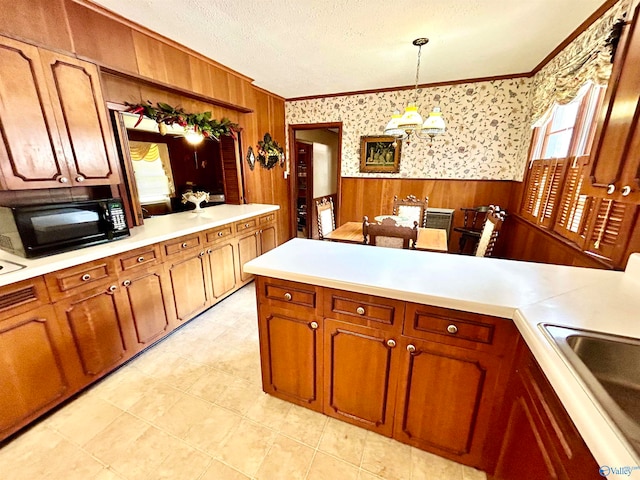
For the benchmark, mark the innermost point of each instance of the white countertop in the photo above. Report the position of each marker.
(156, 229)
(528, 293)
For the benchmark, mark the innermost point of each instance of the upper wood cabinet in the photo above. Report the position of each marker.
(55, 129)
(616, 160)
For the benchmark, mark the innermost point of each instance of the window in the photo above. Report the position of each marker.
(559, 155)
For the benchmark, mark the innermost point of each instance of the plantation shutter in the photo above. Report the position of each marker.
(552, 191)
(573, 205)
(610, 225)
(542, 190)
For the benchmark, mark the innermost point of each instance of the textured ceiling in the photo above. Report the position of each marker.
(310, 47)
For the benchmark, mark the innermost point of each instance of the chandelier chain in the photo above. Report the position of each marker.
(415, 90)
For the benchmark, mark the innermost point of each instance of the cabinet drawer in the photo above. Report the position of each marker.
(22, 296)
(362, 309)
(247, 224)
(146, 256)
(464, 329)
(268, 218)
(289, 295)
(182, 244)
(78, 279)
(218, 233)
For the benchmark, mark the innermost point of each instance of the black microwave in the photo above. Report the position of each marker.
(38, 230)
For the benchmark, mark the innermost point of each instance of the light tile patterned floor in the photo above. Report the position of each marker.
(192, 408)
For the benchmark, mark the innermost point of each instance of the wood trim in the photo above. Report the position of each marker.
(170, 88)
(411, 87)
(575, 34)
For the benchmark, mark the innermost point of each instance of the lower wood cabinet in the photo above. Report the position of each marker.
(291, 350)
(222, 268)
(189, 276)
(248, 249)
(148, 298)
(98, 326)
(33, 367)
(537, 437)
(361, 373)
(445, 398)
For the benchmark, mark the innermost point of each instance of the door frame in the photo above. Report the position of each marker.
(293, 174)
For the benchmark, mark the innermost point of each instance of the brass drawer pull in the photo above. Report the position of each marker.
(391, 343)
(246, 225)
(314, 325)
(140, 259)
(452, 329)
(220, 234)
(184, 245)
(287, 297)
(201, 254)
(113, 288)
(86, 277)
(126, 283)
(360, 310)
(411, 348)
(209, 251)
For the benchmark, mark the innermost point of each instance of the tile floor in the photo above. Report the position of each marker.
(192, 407)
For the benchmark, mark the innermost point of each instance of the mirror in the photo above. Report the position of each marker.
(164, 166)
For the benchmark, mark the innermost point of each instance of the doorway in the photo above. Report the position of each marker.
(315, 173)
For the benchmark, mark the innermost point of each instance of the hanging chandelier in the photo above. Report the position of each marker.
(410, 123)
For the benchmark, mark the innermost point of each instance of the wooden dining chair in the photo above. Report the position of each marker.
(471, 229)
(389, 234)
(490, 231)
(326, 217)
(412, 208)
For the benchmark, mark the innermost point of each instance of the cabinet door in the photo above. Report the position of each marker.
(445, 397)
(360, 370)
(146, 297)
(81, 117)
(621, 116)
(291, 355)
(526, 456)
(189, 278)
(98, 323)
(267, 239)
(222, 264)
(31, 154)
(248, 249)
(32, 360)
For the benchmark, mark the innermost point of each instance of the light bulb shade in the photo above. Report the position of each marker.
(434, 124)
(392, 126)
(411, 119)
(192, 136)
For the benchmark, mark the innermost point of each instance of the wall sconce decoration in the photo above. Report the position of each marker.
(269, 152)
(251, 158)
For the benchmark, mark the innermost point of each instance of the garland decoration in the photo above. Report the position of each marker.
(269, 152)
(165, 114)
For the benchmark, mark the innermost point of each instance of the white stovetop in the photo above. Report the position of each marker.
(528, 293)
(156, 229)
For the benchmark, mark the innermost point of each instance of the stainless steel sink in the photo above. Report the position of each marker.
(609, 365)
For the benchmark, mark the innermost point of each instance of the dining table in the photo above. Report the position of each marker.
(429, 239)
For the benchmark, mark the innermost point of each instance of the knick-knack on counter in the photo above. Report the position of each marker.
(196, 198)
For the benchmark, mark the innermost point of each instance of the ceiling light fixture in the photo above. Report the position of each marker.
(193, 136)
(410, 123)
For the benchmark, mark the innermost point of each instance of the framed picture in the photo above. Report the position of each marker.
(380, 154)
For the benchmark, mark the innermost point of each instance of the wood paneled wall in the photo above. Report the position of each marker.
(374, 196)
(520, 240)
(88, 31)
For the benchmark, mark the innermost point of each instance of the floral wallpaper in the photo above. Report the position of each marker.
(587, 58)
(487, 136)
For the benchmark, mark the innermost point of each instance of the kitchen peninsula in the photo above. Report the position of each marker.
(69, 319)
(361, 323)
